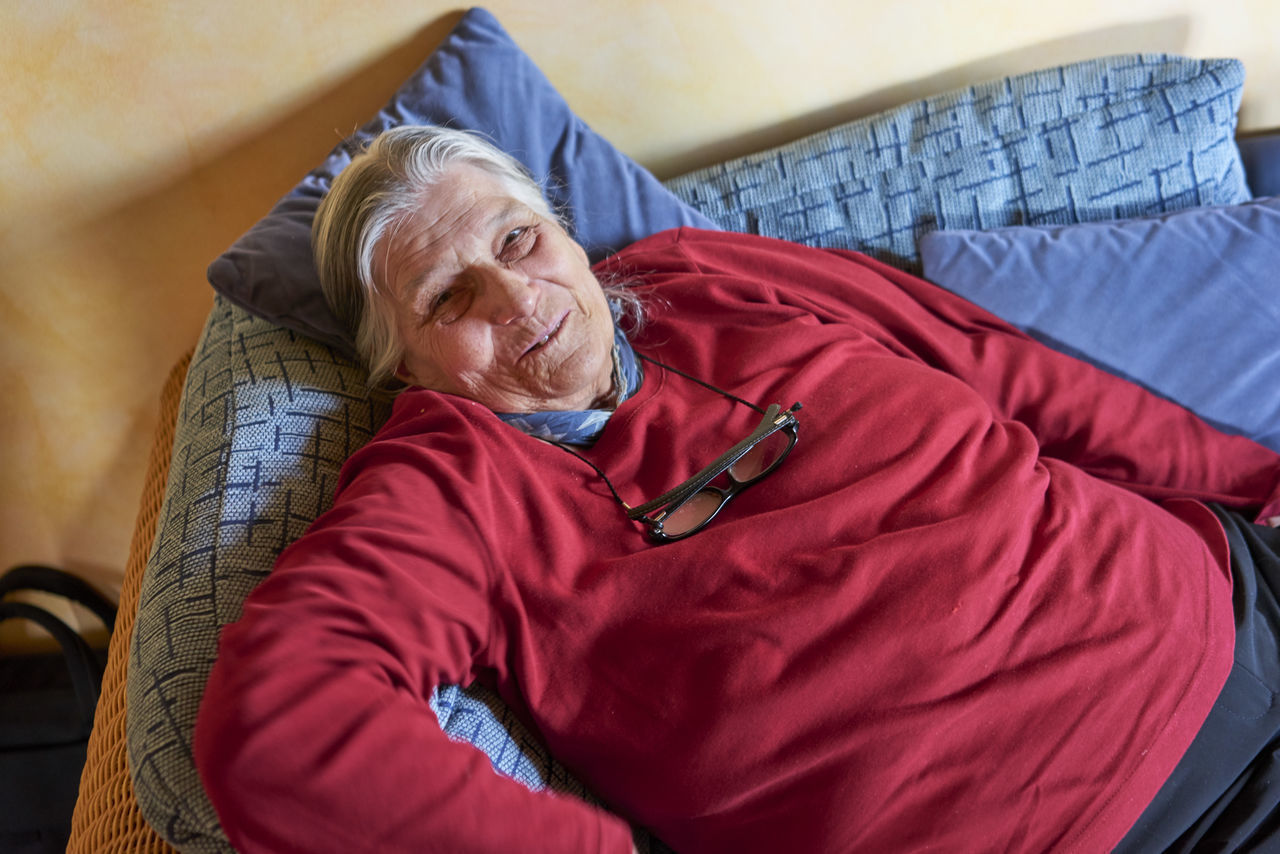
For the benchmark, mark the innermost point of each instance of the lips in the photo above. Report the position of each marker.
(551, 331)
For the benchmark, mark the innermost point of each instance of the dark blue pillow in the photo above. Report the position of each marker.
(478, 79)
(1261, 156)
(1185, 303)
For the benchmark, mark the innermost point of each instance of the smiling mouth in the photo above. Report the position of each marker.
(551, 333)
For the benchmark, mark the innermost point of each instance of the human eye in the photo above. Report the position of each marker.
(441, 299)
(442, 305)
(516, 244)
(447, 305)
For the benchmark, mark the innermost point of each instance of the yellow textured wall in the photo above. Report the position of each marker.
(142, 136)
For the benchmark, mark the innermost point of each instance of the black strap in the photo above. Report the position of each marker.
(86, 674)
(56, 581)
(82, 663)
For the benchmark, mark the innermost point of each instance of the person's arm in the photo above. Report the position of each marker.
(1106, 425)
(315, 733)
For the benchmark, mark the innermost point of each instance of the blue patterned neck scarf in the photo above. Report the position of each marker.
(582, 427)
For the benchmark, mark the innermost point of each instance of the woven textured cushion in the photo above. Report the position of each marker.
(1184, 303)
(480, 80)
(266, 418)
(1109, 138)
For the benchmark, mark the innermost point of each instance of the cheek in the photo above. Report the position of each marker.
(439, 359)
(601, 315)
(604, 322)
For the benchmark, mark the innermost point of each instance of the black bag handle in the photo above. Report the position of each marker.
(82, 663)
(56, 581)
(86, 676)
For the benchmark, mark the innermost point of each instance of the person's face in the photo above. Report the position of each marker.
(494, 302)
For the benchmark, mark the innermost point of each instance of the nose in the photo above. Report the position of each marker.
(505, 295)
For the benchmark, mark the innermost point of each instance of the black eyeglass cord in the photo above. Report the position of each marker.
(702, 383)
(678, 372)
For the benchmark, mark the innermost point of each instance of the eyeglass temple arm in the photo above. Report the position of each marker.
(774, 420)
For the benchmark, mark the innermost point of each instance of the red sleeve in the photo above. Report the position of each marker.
(1102, 423)
(315, 733)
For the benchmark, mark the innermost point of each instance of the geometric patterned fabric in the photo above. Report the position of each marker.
(1104, 139)
(269, 416)
(266, 419)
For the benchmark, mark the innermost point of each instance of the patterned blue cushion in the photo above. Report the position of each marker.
(268, 415)
(1104, 139)
(266, 419)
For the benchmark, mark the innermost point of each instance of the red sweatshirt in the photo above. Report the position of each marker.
(977, 609)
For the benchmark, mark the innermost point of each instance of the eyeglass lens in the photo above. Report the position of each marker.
(757, 462)
(693, 512)
(762, 457)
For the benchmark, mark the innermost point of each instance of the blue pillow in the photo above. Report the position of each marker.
(1108, 138)
(478, 79)
(1261, 156)
(1185, 304)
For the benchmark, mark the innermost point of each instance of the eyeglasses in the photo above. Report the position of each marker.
(688, 508)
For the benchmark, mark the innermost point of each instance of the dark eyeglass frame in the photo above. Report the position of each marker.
(654, 514)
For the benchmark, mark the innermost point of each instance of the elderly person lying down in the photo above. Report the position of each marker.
(975, 596)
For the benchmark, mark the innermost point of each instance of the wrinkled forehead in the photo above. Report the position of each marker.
(462, 213)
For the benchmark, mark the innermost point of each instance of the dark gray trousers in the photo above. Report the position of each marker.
(1224, 794)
